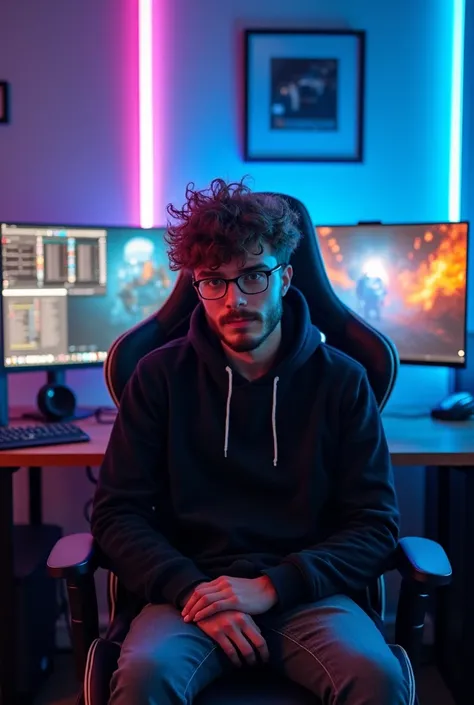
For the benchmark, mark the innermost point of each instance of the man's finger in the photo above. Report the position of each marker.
(254, 635)
(229, 649)
(243, 645)
(201, 603)
(197, 594)
(218, 606)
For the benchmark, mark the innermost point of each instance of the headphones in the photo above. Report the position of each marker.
(56, 402)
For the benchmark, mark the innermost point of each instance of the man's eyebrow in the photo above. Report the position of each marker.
(260, 267)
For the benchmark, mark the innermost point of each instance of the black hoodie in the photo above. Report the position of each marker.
(208, 474)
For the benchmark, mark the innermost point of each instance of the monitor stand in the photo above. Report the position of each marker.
(58, 377)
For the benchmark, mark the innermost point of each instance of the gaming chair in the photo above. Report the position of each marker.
(422, 563)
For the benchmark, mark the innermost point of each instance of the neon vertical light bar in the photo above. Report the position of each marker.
(145, 50)
(455, 155)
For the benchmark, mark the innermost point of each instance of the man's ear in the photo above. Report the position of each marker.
(286, 279)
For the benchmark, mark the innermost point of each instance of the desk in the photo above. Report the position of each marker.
(446, 448)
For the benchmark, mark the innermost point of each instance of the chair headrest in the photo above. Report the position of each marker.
(343, 328)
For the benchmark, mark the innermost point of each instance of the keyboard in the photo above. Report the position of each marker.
(51, 434)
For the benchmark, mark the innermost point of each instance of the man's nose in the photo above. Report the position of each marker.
(234, 296)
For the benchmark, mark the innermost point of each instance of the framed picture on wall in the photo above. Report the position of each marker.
(304, 95)
(4, 101)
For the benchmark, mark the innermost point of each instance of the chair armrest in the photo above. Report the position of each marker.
(423, 565)
(73, 556)
(421, 560)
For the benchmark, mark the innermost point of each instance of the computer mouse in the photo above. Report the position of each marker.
(455, 407)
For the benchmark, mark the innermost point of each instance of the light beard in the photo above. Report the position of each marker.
(249, 342)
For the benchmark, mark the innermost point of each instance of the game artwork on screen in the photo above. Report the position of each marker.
(408, 281)
(139, 282)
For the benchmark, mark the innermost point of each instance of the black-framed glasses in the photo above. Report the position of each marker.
(254, 282)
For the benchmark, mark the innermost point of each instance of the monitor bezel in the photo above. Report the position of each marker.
(60, 367)
(382, 223)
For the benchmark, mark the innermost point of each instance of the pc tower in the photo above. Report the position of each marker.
(36, 609)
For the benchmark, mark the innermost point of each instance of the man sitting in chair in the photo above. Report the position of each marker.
(246, 495)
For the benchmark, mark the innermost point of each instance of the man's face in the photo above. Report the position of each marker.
(244, 321)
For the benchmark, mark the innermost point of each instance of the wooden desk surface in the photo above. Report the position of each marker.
(412, 441)
(71, 455)
(427, 441)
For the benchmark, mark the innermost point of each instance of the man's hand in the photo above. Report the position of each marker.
(252, 596)
(236, 633)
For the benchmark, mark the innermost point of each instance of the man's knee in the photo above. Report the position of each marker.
(146, 677)
(376, 678)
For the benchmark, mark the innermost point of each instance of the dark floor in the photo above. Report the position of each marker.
(61, 689)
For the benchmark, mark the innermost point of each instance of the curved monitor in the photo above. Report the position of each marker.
(68, 292)
(409, 281)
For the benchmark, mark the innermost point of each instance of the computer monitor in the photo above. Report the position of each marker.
(68, 291)
(409, 281)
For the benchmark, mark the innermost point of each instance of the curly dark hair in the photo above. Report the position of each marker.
(228, 220)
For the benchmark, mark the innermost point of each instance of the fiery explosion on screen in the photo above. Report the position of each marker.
(424, 281)
(441, 275)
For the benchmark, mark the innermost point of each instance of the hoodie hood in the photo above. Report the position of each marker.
(300, 339)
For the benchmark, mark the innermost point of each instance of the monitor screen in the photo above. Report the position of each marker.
(408, 281)
(69, 292)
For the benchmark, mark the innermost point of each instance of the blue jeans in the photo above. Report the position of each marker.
(331, 647)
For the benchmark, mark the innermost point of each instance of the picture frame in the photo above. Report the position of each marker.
(304, 95)
(4, 102)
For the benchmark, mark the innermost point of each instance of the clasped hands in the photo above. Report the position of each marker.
(222, 609)
(252, 596)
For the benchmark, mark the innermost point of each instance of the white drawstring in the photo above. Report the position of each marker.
(227, 417)
(227, 412)
(274, 408)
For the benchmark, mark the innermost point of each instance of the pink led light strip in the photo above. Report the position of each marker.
(145, 49)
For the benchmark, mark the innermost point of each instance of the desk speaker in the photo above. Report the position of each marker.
(56, 402)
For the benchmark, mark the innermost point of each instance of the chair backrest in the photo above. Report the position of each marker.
(343, 328)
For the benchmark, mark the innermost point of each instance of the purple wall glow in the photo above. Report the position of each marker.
(70, 153)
